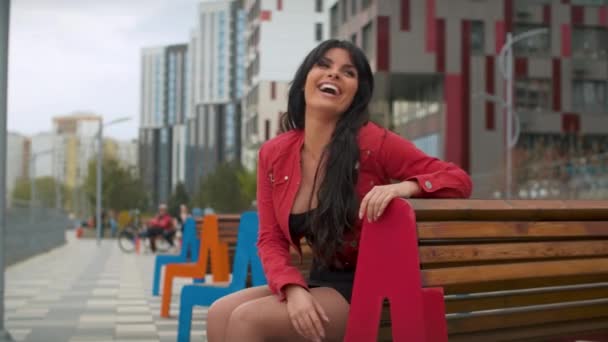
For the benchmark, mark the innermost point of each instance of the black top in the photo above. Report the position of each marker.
(299, 226)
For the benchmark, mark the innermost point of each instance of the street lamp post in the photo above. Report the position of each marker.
(505, 65)
(99, 173)
(5, 6)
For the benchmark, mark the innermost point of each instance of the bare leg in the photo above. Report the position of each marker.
(219, 313)
(266, 319)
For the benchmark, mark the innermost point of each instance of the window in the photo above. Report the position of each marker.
(333, 21)
(367, 39)
(273, 90)
(319, 32)
(477, 37)
(429, 144)
(319, 6)
(533, 94)
(590, 42)
(267, 129)
(353, 5)
(365, 3)
(344, 5)
(590, 96)
(539, 44)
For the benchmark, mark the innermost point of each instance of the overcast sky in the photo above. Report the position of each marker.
(83, 55)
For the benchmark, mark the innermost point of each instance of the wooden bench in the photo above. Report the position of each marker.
(228, 231)
(514, 270)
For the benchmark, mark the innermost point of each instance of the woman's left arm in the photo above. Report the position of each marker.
(420, 175)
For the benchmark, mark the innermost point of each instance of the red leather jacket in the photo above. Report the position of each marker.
(384, 156)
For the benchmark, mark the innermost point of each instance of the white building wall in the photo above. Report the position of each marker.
(44, 163)
(292, 30)
(194, 75)
(214, 43)
(127, 153)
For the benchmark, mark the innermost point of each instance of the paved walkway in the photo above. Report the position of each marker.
(82, 292)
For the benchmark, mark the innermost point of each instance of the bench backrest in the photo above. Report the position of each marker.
(515, 269)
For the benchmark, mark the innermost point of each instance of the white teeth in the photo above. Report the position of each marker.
(329, 86)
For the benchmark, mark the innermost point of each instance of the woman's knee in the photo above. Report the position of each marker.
(244, 314)
(223, 307)
(220, 309)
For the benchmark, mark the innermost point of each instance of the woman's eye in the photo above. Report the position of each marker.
(350, 73)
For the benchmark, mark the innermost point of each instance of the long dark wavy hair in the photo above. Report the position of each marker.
(338, 204)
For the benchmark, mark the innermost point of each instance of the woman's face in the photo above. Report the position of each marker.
(332, 83)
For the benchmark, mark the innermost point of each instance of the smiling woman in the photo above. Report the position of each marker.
(317, 181)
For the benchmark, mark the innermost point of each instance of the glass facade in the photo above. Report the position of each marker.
(221, 55)
(429, 144)
(172, 89)
(477, 37)
(240, 53)
(533, 94)
(590, 96)
(539, 44)
(158, 95)
(590, 42)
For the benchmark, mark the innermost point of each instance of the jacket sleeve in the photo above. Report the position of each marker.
(402, 160)
(272, 245)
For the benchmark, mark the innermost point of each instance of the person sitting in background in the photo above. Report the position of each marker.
(161, 224)
(113, 223)
(183, 215)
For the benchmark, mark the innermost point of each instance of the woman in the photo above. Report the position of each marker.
(318, 181)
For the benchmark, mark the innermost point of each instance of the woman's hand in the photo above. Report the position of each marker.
(378, 198)
(305, 313)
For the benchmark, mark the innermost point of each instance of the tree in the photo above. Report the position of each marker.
(179, 197)
(227, 189)
(46, 189)
(121, 189)
(248, 182)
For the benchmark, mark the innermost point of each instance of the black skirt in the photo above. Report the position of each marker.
(339, 280)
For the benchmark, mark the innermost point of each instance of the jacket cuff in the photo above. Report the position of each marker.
(428, 184)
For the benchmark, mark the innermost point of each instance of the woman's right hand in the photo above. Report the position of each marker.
(305, 313)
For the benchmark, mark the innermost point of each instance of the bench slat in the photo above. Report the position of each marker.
(517, 320)
(477, 230)
(514, 271)
(490, 210)
(511, 251)
(540, 333)
(477, 304)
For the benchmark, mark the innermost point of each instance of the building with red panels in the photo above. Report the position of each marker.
(433, 60)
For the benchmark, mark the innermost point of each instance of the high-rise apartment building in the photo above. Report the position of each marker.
(432, 60)
(164, 111)
(217, 48)
(75, 146)
(279, 35)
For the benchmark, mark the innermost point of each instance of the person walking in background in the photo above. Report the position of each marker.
(160, 225)
(183, 215)
(113, 223)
